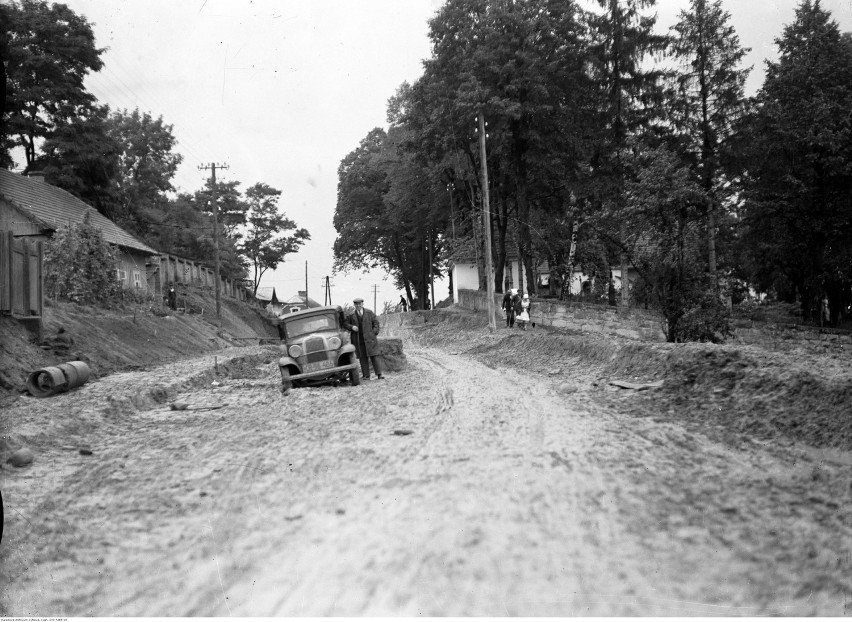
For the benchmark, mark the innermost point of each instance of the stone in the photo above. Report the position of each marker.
(566, 389)
(391, 354)
(21, 458)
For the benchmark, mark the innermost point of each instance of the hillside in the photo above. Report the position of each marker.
(131, 336)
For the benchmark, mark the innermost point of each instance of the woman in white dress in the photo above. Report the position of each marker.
(524, 316)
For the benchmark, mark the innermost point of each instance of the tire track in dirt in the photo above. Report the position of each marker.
(446, 469)
(452, 488)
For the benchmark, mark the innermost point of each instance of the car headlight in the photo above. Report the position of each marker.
(334, 343)
(295, 351)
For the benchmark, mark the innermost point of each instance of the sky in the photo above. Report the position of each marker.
(281, 91)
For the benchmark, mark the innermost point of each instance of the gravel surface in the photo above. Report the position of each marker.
(498, 474)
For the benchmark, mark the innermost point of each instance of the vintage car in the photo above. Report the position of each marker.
(316, 349)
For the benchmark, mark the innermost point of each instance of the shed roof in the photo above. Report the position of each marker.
(53, 207)
(300, 299)
(266, 294)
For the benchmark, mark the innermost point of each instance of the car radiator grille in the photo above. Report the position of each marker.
(315, 344)
(316, 357)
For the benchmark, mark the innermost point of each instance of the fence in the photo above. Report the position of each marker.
(21, 276)
(170, 269)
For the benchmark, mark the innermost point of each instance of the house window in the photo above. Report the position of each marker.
(137, 279)
(121, 276)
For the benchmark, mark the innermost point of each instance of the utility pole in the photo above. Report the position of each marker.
(452, 213)
(326, 284)
(486, 219)
(431, 277)
(306, 283)
(212, 168)
(375, 291)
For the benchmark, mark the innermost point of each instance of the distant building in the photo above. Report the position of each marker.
(30, 207)
(268, 298)
(299, 302)
(466, 274)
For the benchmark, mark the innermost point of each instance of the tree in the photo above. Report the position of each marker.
(146, 165)
(361, 186)
(82, 157)
(798, 146)
(49, 50)
(263, 244)
(518, 63)
(391, 209)
(230, 204)
(630, 97)
(80, 266)
(667, 205)
(707, 98)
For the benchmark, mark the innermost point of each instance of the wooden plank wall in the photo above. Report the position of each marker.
(5, 281)
(21, 264)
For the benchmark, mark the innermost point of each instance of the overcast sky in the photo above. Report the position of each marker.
(282, 90)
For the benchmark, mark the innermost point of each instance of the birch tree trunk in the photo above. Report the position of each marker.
(569, 273)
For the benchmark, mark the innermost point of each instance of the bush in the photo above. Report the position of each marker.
(689, 304)
(80, 266)
(708, 320)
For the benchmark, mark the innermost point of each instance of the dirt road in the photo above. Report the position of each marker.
(449, 489)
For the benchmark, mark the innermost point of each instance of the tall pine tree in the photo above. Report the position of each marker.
(707, 98)
(629, 99)
(799, 199)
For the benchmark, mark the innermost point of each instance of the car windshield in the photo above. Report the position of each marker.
(311, 324)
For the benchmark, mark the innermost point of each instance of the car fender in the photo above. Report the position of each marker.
(347, 350)
(286, 361)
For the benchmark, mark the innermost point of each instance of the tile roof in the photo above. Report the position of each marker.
(53, 207)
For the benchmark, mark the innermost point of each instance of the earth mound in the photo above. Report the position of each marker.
(127, 337)
(795, 395)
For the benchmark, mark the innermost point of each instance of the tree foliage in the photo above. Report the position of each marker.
(82, 157)
(519, 64)
(80, 266)
(263, 243)
(669, 204)
(798, 150)
(48, 51)
(146, 165)
(707, 99)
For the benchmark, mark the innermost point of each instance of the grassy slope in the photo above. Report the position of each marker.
(133, 336)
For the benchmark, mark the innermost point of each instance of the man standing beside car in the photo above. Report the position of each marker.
(365, 329)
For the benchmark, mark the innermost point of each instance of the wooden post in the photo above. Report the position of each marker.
(486, 213)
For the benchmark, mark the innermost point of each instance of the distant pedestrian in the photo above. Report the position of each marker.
(516, 306)
(509, 308)
(365, 330)
(403, 304)
(524, 315)
(172, 297)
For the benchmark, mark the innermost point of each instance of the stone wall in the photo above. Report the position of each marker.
(632, 323)
(786, 336)
(647, 326)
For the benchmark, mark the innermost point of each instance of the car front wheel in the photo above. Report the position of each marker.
(354, 377)
(286, 385)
